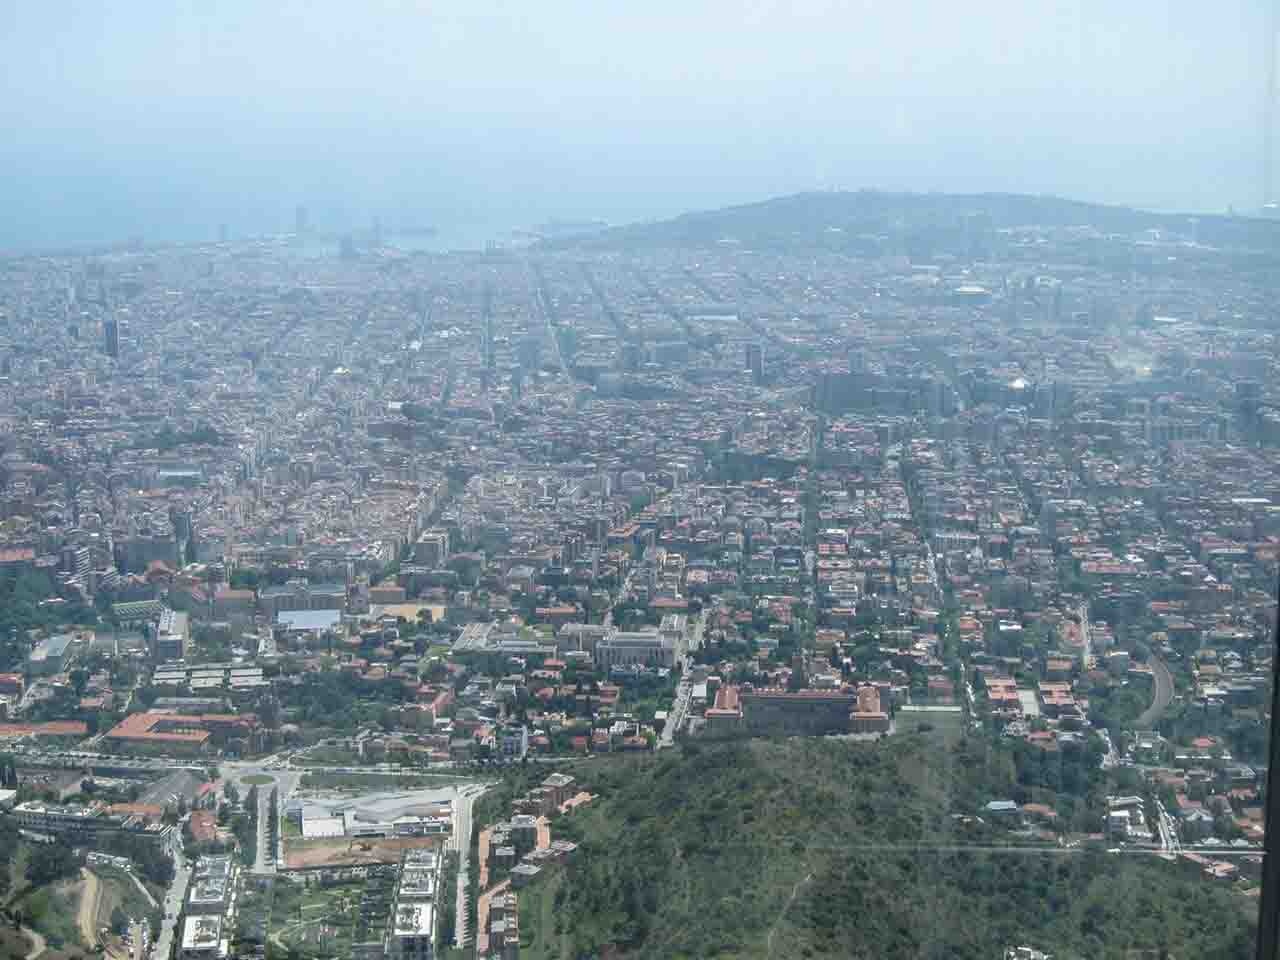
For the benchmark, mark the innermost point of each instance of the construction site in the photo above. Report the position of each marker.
(335, 829)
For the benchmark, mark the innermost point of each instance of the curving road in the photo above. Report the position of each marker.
(1162, 696)
(38, 943)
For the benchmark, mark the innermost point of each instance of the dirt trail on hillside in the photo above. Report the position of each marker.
(783, 912)
(87, 915)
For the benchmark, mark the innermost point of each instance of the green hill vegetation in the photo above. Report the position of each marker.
(21, 610)
(805, 848)
(874, 222)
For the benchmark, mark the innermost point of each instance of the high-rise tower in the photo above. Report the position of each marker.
(755, 362)
(111, 337)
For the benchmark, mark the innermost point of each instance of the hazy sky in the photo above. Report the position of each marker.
(167, 119)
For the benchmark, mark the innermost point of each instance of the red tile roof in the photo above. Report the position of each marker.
(54, 728)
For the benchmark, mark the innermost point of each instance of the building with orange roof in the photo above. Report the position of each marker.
(187, 735)
(147, 811)
(725, 718)
(52, 730)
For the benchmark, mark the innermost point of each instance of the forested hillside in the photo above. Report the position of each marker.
(829, 848)
(921, 223)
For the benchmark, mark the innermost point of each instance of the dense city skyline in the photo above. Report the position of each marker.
(578, 480)
(490, 585)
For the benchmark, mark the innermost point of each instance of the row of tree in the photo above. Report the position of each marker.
(244, 826)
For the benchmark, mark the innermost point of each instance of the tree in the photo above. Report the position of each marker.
(244, 579)
(79, 678)
(269, 712)
(55, 862)
(230, 792)
(435, 671)
(21, 612)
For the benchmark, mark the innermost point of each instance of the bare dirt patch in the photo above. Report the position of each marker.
(87, 910)
(300, 854)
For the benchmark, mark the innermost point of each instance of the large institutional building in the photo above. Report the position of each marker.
(168, 732)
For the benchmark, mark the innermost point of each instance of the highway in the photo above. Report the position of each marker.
(1161, 696)
(103, 761)
(542, 307)
(287, 773)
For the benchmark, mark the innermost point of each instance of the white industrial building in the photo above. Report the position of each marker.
(374, 815)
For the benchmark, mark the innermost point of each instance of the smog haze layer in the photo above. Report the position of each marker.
(168, 120)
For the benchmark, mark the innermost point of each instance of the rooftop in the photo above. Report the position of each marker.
(415, 920)
(312, 620)
(202, 933)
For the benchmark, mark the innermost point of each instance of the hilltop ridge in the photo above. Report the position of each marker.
(826, 847)
(850, 218)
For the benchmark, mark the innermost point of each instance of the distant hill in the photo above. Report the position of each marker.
(840, 219)
(807, 848)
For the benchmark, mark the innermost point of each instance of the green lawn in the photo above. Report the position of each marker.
(257, 780)
(943, 726)
(331, 757)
